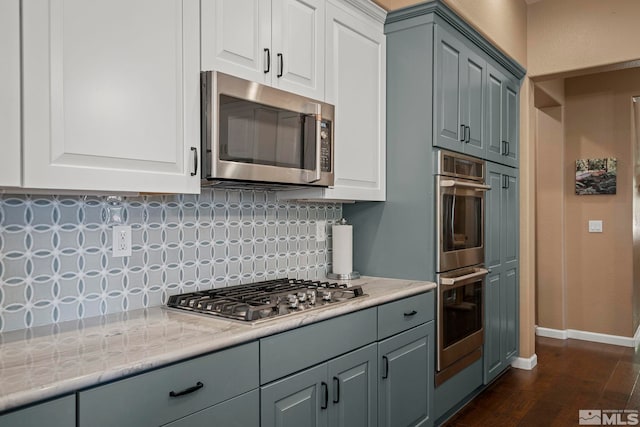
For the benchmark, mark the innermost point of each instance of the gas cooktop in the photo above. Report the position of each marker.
(265, 300)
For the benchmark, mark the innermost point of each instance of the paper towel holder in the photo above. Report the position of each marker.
(343, 276)
(349, 276)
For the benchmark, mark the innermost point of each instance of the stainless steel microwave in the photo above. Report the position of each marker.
(258, 135)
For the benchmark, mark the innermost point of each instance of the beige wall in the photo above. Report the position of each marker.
(550, 197)
(566, 35)
(599, 266)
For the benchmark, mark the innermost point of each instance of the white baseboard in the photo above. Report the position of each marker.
(590, 336)
(527, 363)
(552, 333)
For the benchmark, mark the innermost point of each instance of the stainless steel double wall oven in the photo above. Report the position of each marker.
(460, 193)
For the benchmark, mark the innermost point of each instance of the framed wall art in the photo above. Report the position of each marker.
(596, 176)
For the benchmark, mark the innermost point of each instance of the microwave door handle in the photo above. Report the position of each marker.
(317, 171)
(452, 281)
(462, 184)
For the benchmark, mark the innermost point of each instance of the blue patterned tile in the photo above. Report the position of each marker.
(55, 252)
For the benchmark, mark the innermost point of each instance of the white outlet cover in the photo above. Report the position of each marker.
(121, 240)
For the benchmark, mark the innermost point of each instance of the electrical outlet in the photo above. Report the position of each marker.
(321, 234)
(121, 240)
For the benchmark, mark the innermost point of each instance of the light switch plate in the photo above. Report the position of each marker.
(595, 226)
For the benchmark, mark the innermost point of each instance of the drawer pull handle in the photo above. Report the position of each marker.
(336, 382)
(196, 387)
(411, 313)
(325, 405)
(385, 375)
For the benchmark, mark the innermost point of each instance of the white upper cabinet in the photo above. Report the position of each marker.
(298, 43)
(275, 42)
(356, 85)
(111, 95)
(236, 38)
(10, 93)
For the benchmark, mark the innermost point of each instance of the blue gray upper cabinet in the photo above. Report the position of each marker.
(502, 118)
(459, 95)
(475, 86)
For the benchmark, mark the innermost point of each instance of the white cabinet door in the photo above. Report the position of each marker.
(236, 38)
(275, 42)
(356, 85)
(10, 93)
(111, 97)
(298, 44)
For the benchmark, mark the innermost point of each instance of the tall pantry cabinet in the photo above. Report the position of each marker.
(447, 88)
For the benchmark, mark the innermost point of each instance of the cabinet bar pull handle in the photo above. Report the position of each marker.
(467, 132)
(411, 313)
(281, 61)
(508, 150)
(336, 384)
(503, 149)
(268, 52)
(195, 161)
(189, 390)
(385, 375)
(325, 405)
(462, 132)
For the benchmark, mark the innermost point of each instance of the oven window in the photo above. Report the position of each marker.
(259, 134)
(462, 312)
(461, 222)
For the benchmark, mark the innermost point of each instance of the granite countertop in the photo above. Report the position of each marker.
(45, 362)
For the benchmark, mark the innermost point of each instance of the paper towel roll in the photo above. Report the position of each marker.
(342, 249)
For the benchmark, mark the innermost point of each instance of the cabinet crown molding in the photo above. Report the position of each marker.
(441, 10)
(367, 7)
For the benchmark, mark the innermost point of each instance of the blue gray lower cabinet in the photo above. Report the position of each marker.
(405, 396)
(145, 400)
(341, 392)
(55, 413)
(386, 382)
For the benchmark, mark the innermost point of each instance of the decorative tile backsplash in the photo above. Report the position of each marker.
(56, 263)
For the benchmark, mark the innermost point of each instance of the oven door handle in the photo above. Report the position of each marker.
(463, 184)
(453, 281)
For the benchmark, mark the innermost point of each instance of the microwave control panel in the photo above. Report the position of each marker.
(325, 146)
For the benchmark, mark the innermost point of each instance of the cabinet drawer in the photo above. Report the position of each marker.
(144, 400)
(241, 411)
(292, 351)
(404, 314)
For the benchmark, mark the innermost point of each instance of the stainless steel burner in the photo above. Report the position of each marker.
(265, 300)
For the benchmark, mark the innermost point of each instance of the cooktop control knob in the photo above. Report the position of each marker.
(311, 296)
(293, 301)
(326, 296)
(302, 297)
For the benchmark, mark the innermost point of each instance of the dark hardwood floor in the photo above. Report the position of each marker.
(570, 375)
